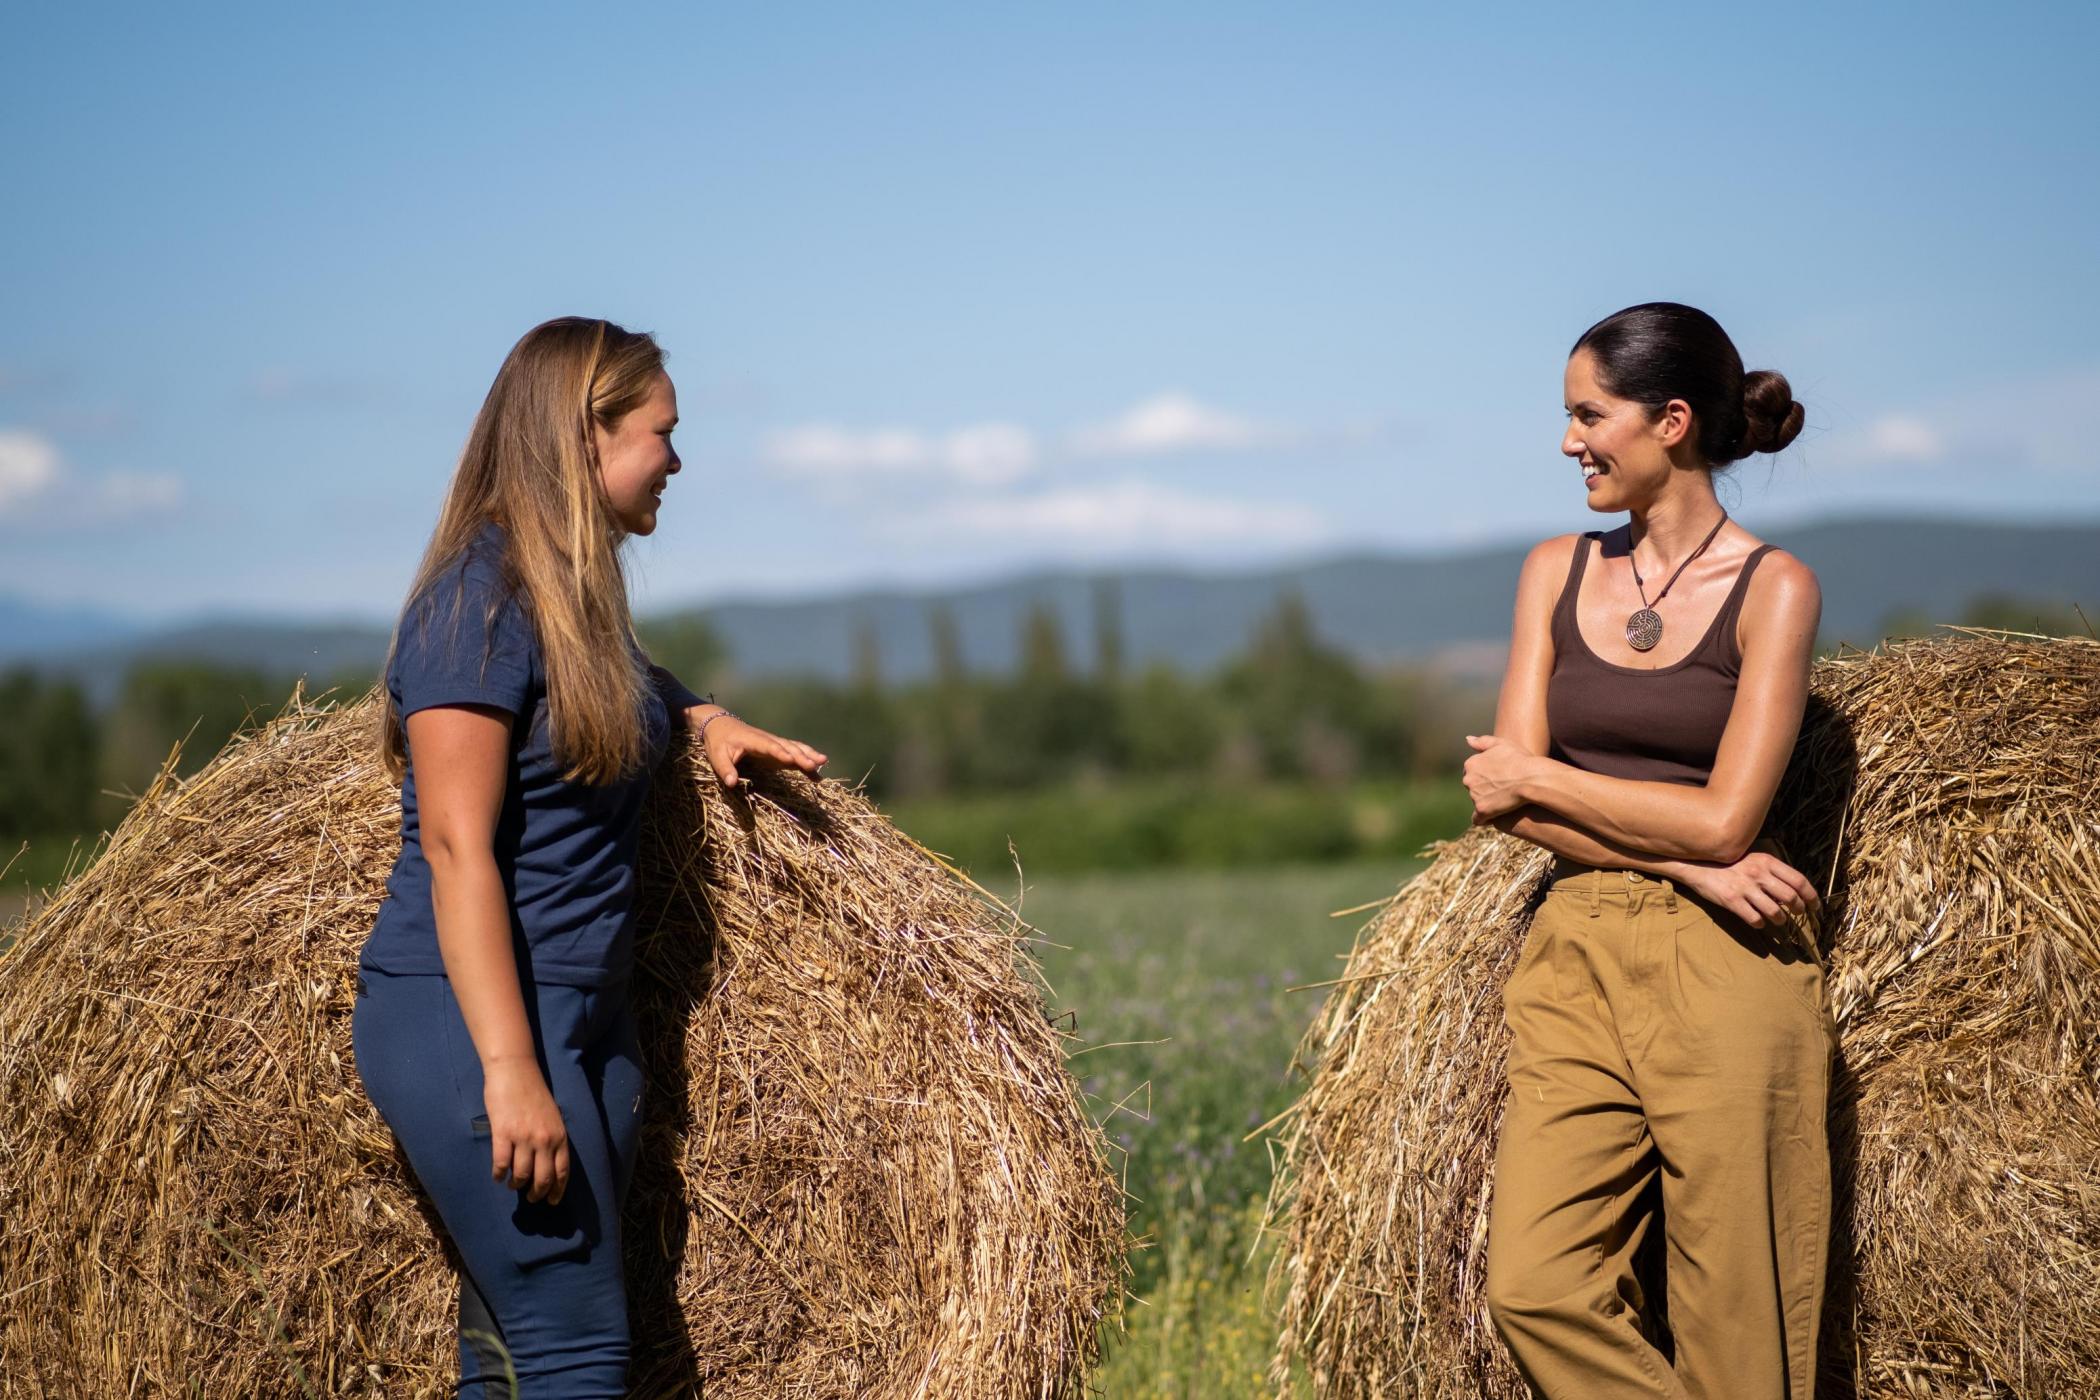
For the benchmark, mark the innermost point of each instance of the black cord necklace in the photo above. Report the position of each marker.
(1644, 628)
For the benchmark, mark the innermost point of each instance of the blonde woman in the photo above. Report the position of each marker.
(493, 1028)
(1671, 1036)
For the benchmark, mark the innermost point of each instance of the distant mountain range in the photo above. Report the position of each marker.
(29, 630)
(1447, 608)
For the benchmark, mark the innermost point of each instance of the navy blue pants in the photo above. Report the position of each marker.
(543, 1290)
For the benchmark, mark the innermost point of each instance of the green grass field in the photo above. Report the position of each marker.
(1200, 966)
(1151, 824)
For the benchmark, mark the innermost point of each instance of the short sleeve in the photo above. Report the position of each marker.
(480, 655)
(674, 691)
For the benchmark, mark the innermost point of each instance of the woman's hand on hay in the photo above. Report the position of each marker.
(1758, 889)
(528, 1140)
(1495, 776)
(729, 741)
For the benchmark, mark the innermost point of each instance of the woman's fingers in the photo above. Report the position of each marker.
(522, 1175)
(1808, 891)
(1767, 908)
(1775, 869)
(513, 1163)
(541, 1172)
(543, 1175)
(1785, 894)
(769, 749)
(525, 1178)
(788, 753)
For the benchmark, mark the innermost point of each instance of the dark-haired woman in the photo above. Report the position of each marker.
(493, 1028)
(1671, 1035)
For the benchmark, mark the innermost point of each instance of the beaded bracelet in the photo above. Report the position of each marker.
(701, 736)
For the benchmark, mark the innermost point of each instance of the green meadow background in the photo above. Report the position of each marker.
(1193, 985)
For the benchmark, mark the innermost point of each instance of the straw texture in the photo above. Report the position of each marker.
(1945, 799)
(865, 1170)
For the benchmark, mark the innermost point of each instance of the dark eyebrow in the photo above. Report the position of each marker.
(1592, 407)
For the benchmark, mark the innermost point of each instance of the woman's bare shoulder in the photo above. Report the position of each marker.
(1787, 570)
(1550, 559)
(1784, 589)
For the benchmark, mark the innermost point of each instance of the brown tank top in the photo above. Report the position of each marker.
(1660, 725)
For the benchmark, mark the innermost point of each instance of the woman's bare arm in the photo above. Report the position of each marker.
(1720, 820)
(1557, 834)
(1716, 821)
(1758, 888)
(1520, 715)
(461, 757)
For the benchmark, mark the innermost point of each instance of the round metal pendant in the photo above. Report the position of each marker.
(1644, 629)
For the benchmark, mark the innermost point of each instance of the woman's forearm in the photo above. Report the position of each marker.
(474, 941)
(1557, 834)
(1676, 820)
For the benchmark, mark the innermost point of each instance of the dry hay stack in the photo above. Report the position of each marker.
(865, 1168)
(1945, 799)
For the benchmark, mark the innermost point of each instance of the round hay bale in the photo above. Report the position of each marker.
(1945, 798)
(865, 1170)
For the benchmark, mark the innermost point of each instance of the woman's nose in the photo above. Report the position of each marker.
(1571, 443)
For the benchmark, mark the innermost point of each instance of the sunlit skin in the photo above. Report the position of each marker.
(1699, 836)
(636, 462)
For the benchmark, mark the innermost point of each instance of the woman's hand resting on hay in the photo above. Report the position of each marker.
(729, 741)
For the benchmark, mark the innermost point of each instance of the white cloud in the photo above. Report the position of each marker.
(1899, 438)
(2039, 424)
(983, 454)
(37, 485)
(28, 468)
(995, 454)
(1173, 422)
(1134, 513)
(820, 450)
(990, 454)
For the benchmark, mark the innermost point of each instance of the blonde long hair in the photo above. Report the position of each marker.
(531, 465)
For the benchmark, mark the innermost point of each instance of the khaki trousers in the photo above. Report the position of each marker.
(1664, 1054)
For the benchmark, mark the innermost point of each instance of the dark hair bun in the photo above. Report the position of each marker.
(1771, 418)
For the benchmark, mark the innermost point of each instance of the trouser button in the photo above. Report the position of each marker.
(1633, 877)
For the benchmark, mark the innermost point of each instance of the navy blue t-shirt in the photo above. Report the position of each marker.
(566, 850)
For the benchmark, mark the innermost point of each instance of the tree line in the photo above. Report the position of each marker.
(1290, 707)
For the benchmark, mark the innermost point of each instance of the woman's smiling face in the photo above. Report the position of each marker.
(1625, 455)
(636, 459)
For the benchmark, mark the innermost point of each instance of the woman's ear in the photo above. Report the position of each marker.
(1674, 424)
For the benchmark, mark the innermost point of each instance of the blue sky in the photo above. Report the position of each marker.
(955, 290)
